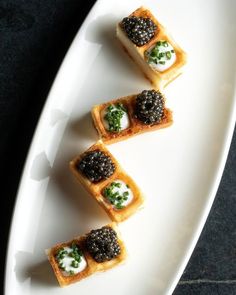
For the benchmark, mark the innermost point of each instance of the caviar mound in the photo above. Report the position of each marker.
(140, 30)
(149, 107)
(96, 166)
(102, 244)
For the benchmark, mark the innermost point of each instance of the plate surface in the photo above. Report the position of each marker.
(178, 168)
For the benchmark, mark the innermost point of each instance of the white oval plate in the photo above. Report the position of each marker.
(178, 168)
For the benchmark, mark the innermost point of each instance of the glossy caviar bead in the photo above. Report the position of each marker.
(149, 107)
(102, 244)
(139, 30)
(96, 166)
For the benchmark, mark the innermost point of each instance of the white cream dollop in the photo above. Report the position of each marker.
(67, 261)
(124, 121)
(165, 62)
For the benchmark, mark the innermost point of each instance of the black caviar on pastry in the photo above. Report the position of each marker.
(96, 166)
(139, 30)
(149, 106)
(102, 244)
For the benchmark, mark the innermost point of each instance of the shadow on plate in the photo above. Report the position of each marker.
(38, 273)
(117, 65)
(83, 129)
(85, 210)
(42, 273)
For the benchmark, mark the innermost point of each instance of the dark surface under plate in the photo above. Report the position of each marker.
(34, 37)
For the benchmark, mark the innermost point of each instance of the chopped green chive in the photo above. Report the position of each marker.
(125, 194)
(114, 115)
(120, 106)
(172, 50)
(74, 246)
(119, 206)
(116, 194)
(168, 55)
(75, 264)
(153, 54)
(61, 265)
(158, 54)
(110, 108)
(78, 258)
(61, 253)
(113, 195)
(75, 253)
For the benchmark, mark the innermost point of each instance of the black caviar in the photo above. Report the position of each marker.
(149, 107)
(102, 244)
(96, 166)
(139, 30)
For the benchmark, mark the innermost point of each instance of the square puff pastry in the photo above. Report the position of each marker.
(136, 126)
(157, 78)
(92, 266)
(97, 189)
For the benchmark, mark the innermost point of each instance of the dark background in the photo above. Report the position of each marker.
(34, 37)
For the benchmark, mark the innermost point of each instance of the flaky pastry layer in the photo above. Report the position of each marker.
(158, 79)
(96, 189)
(92, 265)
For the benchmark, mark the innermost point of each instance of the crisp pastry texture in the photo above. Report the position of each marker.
(92, 266)
(136, 126)
(97, 189)
(159, 79)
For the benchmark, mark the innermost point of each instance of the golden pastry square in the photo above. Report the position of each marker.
(91, 266)
(164, 67)
(124, 213)
(135, 126)
(96, 189)
(66, 279)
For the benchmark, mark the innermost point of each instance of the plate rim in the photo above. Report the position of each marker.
(228, 135)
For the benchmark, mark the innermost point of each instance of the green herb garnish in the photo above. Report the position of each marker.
(61, 254)
(165, 44)
(158, 54)
(76, 254)
(125, 194)
(119, 206)
(75, 264)
(113, 116)
(61, 265)
(114, 197)
(117, 184)
(168, 54)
